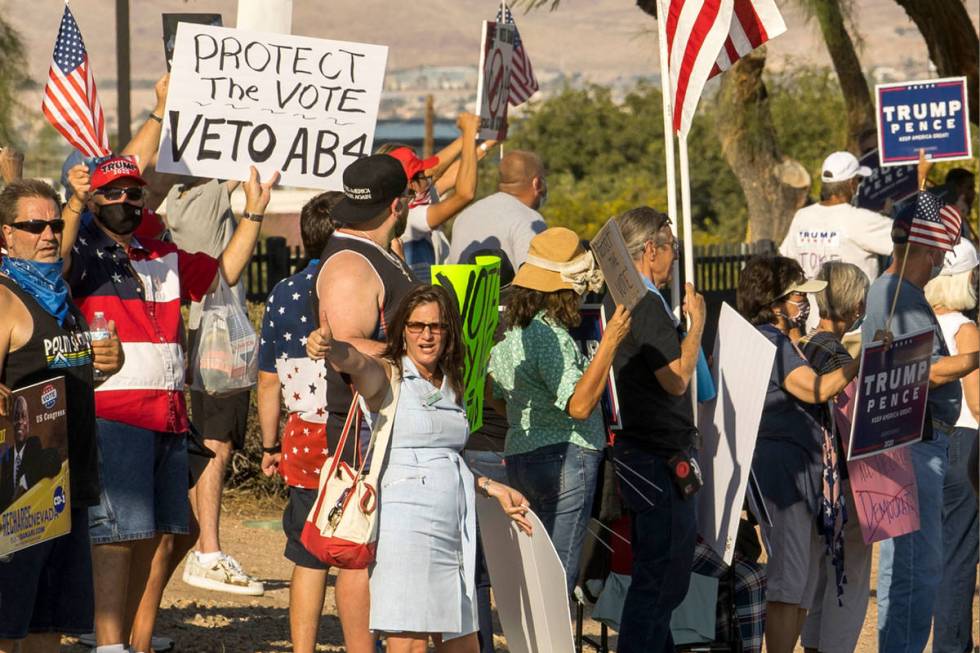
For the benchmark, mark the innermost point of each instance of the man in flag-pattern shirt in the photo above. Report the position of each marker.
(287, 376)
(142, 416)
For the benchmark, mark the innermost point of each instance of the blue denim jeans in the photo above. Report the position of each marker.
(491, 465)
(910, 567)
(559, 480)
(954, 605)
(664, 536)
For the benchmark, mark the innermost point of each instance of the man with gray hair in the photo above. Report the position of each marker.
(508, 219)
(833, 230)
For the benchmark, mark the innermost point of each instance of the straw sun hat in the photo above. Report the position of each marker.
(557, 261)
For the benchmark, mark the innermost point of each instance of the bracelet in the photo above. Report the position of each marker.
(485, 486)
(154, 116)
(72, 208)
(254, 217)
(276, 448)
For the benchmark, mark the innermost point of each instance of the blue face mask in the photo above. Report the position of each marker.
(42, 281)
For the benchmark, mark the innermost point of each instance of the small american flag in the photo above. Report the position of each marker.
(935, 224)
(70, 102)
(523, 83)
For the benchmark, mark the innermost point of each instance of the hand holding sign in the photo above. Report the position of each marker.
(258, 194)
(694, 307)
(619, 325)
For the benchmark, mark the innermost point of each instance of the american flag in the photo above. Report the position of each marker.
(935, 224)
(523, 83)
(70, 103)
(704, 38)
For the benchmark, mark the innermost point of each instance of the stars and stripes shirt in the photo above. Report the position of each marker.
(141, 290)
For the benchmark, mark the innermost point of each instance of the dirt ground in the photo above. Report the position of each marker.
(210, 622)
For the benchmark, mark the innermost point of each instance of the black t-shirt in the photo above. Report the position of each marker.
(651, 417)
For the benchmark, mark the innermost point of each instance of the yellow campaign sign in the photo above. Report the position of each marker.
(477, 292)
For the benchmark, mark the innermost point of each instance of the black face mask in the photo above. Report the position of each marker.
(121, 219)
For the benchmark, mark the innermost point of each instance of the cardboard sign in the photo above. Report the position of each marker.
(729, 425)
(894, 183)
(886, 496)
(34, 488)
(528, 581)
(893, 386)
(306, 107)
(170, 22)
(493, 85)
(477, 289)
(588, 334)
(931, 115)
(622, 278)
(266, 15)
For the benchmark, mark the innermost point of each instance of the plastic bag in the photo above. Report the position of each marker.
(226, 359)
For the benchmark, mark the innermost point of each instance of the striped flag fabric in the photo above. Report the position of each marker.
(705, 38)
(523, 83)
(71, 103)
(935, 224)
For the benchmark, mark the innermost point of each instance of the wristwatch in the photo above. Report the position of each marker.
(276, 448)
(254, 217)
(154, 116)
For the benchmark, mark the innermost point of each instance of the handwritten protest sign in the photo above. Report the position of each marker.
(493, 85)
(34, 490)
(587, 335)
(885, 493)
(890, 406)
(729, 425)
(170, 22)
(930, 114)
(622, 278)
(304, 106)
(477, 290)
(528, 580)
(893, 184)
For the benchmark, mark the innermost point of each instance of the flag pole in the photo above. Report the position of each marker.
(675, 284)
(688, 244)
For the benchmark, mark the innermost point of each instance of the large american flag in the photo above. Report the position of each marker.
(70, 102)
(935, 223)
(705, 38)
(523, 83)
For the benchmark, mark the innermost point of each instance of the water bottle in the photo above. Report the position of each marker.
(99, 330)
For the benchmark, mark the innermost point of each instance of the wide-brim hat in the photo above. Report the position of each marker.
(371, 184)
(557, 261)
(805, 286)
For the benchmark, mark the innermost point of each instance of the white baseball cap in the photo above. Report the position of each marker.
(841, 166)
(962, 258)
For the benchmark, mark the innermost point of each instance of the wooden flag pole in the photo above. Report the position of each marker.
(675, 285)
(688, 244)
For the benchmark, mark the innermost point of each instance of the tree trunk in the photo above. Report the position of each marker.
(775, 186)
(857, 97)
(952, 41)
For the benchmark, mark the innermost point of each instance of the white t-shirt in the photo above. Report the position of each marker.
(950, 323)
(417, 228)
(841, 232)
(500, 221)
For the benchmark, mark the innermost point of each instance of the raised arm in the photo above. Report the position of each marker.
(465, 188)
(146, 142)
(368, 374)
(235, 257)
(676, 375)
(589, 389)
(71, 212)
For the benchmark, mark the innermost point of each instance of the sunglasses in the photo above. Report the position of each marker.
(133, 193)
(416, 328)
(37, 227)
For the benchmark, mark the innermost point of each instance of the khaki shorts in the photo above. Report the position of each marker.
(796, 553)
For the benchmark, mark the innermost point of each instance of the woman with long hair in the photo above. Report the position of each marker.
(788, 458)
(421, 580)
(555, 434)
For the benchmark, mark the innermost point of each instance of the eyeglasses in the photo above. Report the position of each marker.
(416, 328)
(37, 227)
(133, 193)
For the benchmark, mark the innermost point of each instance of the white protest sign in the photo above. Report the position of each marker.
(266, 15)
(729, 424)
(493, 85)
(528, 582)
(306, 107)
(622, 278)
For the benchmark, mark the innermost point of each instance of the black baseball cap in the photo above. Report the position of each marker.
(370, 184)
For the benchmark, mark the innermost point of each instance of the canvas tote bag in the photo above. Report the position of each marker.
(342, 528)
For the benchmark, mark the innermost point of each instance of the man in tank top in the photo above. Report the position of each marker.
(359, 285)
(47, 586)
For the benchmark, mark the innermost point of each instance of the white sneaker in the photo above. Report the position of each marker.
(223, 575)
(159, 644)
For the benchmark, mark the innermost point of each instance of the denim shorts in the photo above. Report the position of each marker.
(298, 508)
(47, 588)
(144, 484)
